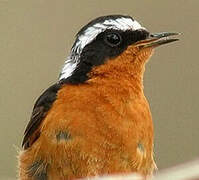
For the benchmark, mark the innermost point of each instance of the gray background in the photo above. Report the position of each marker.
(35, 38)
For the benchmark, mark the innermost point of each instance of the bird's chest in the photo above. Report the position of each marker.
(105, 135)
(128, 130)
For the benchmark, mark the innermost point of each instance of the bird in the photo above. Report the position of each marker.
(95, 120)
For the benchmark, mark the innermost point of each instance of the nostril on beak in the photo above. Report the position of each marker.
(151, 35)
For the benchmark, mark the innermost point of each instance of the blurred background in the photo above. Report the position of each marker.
(36, 36)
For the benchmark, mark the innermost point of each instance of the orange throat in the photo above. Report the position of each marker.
(127, 68)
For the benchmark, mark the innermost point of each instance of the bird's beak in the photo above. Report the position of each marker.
(157, 39)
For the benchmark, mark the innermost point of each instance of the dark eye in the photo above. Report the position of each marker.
(113, 39)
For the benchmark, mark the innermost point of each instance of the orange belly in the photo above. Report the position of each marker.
(83, 136)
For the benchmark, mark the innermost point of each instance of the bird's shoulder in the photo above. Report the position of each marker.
(40, 109)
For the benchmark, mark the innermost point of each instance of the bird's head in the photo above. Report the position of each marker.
(109, 43)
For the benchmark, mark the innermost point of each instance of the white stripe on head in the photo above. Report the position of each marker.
(89, 34)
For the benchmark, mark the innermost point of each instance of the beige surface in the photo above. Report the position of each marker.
(185, 171)
(35, 37)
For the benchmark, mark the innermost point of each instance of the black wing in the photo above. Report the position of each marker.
(41, 107)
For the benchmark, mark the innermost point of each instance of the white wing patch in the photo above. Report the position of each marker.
(123, 23)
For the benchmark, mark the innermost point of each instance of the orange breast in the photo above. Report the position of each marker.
(108, 132)
(100, 127)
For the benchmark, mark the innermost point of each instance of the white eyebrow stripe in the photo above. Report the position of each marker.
(68, 68)
(89, 35)
(118, 24)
